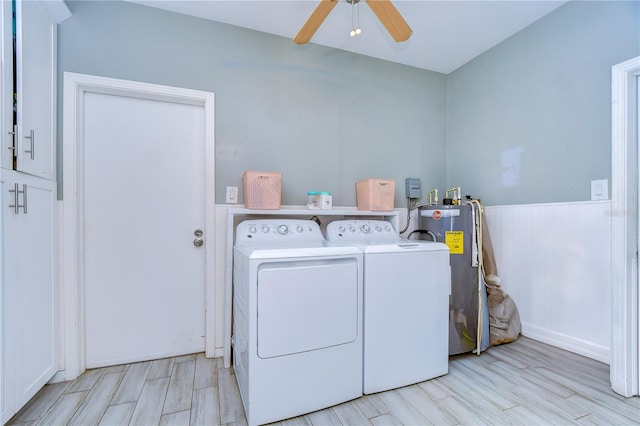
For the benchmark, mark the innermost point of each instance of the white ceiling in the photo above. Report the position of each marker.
(446, 34)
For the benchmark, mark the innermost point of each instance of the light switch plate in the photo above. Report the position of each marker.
(600, 189)
(232, 194)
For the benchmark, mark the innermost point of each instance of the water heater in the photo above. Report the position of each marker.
(454, 225)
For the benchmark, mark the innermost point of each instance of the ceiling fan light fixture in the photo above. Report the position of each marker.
(355, 30)
(384, 10)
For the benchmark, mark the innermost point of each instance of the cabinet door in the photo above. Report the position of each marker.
(30, 281)
(35, 73)
(6, 86)
(7, 384)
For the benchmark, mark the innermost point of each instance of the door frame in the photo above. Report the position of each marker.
(625, 324)
(73, 285)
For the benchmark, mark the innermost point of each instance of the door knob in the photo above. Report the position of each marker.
(198, 241)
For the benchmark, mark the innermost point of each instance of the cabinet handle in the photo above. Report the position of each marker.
(13, 140)
(24, 198)
(15, 205)
(31, 150)
(16, 198)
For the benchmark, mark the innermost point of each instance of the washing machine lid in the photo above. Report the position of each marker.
(402, 246)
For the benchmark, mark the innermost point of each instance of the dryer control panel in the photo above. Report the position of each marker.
(266, 230)
(361, 230)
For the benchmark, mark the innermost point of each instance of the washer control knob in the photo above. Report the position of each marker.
(352, 228)
(365, 228)
(378, 228)
(387, 228)
(341, 228)
(299, 228)
(252, 229)
(265, 228)
(283, 229)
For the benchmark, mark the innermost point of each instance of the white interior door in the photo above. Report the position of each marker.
(143, 201)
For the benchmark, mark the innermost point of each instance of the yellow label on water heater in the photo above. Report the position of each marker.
(455, 241)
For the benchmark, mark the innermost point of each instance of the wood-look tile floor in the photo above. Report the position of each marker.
(524, 382)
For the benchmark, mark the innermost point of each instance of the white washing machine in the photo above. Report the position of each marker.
(297, 319)
(406, 304)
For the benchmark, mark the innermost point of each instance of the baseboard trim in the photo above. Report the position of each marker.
(566, 342)
(60, 376)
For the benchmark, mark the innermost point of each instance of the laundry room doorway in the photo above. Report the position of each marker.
(138, 221)
(625, 229)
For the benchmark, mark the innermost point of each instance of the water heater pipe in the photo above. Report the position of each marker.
(457, 194)
(475, 204)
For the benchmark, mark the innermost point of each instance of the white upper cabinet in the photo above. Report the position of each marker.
(35, 72)
(29, 77)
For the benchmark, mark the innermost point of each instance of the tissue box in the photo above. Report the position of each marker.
(262, 190)
(376, 194)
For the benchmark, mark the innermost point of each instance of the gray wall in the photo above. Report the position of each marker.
(529, 120)
(323, 117)
(526, 122)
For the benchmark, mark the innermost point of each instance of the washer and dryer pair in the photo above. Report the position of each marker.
(319, 322)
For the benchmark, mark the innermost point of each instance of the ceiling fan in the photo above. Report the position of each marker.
(383, 9)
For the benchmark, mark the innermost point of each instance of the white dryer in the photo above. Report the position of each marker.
(297, 319)
(406, 304)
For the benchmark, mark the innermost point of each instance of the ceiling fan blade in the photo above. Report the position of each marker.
(315, 20)
(391, 19)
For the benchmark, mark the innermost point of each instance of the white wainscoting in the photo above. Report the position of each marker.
(555, 262)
